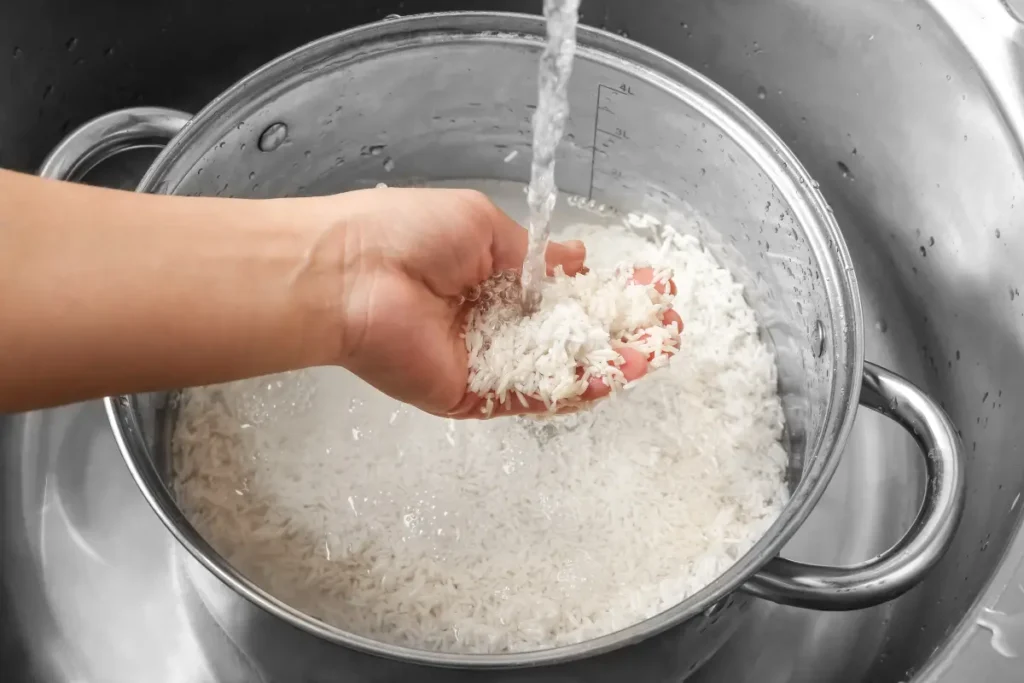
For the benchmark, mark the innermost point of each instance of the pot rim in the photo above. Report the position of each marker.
(776, 160)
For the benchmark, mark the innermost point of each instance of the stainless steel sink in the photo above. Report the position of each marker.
(909, 114)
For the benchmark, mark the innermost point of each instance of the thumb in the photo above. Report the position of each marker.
(509, 241)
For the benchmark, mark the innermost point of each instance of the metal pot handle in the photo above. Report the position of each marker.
(900, 568)
(101, 138)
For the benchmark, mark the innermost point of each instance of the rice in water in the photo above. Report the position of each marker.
(504, 535)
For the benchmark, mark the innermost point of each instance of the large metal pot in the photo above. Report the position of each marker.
(448, 96)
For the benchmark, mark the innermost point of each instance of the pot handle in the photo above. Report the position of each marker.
(101, 138)
(900, 568)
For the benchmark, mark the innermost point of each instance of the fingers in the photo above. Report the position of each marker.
(474, 406)
(570, 255)
(508, 249)
(670, 317)
(634, 366)
(645, 276)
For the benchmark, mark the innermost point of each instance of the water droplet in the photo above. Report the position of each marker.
(252, 174)
(47, 91)
(374, 150)
(762, 94)
(845, 170)
(998, 234)
(882, 326)
(389, 164)
(392, 17)
(16, 52)
(71, 44)
(818, 339)
(109, 52)
(703, 172)
(273, 137)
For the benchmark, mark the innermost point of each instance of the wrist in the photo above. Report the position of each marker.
(319, 233)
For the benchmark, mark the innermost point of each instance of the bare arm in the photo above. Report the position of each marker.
(108, 292)
(103, 290)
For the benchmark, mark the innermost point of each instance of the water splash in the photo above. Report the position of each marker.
(548, 128)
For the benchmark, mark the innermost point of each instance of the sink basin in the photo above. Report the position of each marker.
(911, 117)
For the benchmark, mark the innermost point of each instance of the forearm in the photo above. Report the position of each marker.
(108, 292)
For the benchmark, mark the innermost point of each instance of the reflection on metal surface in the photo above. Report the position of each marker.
(899, 568)
(1007, 631)
(94, 580)
(106, 136)
(913, 109)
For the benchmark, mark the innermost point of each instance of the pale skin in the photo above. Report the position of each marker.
(108, 292)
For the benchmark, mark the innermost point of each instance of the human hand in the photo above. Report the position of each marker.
(407, 257)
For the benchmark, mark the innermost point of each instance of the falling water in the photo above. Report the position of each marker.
(548, 127)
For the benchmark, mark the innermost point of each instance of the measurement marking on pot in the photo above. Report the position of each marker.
(602, 105)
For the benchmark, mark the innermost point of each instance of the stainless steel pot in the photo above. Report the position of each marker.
(448, 96)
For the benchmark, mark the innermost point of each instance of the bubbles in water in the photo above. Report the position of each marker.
(389, 164)
(273, 137)
(71, 44)
(392, 17)
(845, 170)
(762, 94)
